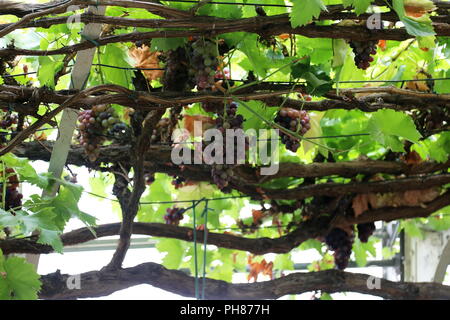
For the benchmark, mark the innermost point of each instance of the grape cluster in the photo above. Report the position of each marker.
(365, 230)
(8, 122)
(149, 178)
(363, 52)
(222, 74)
(161, 131)
(429, 121)
(204, 63)
(341, 243)
(212, 106)
(178, 182)
(294, 120)
(93, 126)
(119, 132)
(13, 198)
(222, 173)
(176, 74)
(174, 216)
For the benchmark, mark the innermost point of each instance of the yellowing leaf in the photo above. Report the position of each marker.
(147, 59)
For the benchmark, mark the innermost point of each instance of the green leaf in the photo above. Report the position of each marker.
(257, 60)
(66, 205)
(301, 67)
(159, 190)
(99, 184)
(411, 228)
(360, 6)
(440, 221)
(18, 279)
(362, 249)
(175, 252)
(166, 44)
(340, 49)
(25, 171)
(115, 55)
(52, 238)
(443, 86)
(303, 11)
(326, 296)
(46, 72)
(44, 221)
(252, 122)
(311, 244)
(318, 82)
(438, 146)
(283, 262)
(388, 126)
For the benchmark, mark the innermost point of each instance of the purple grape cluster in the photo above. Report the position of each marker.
(8, 120)
(365, 230)
(149, 178)
(161, 133)
(363, 52)
(294, 120)
(8, 123)
(174, 215)
(13, 198)
(203, 63)
(341, 243)
(222, 173)
(178, 182)
(93, 126)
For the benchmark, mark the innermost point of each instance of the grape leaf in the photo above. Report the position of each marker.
(283, 262)
(166, 44)
(438, 149)
(115, 56)
(388, 126)
(417, 27)
(361, 251)
(66, 205)
(252, 122)
(18, 279)
(46, 72)
(303, 11)
(44, 221)
(412, 228)
(359, 5)
(25, 171)
(175, 252)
